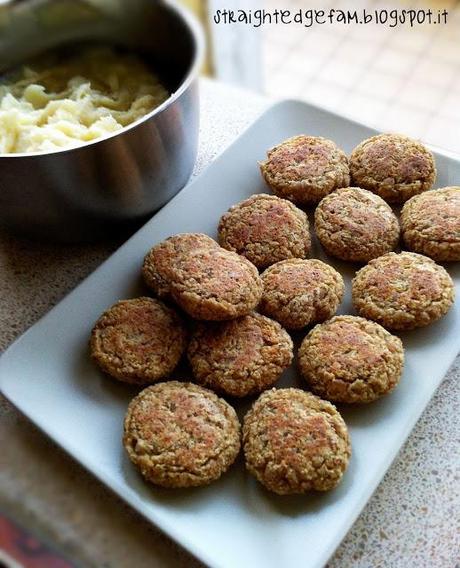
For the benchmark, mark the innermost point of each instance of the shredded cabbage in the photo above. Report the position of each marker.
(71, 102)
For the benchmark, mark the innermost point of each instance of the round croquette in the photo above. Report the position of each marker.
(295, 442)
(356, 225)
(181, 434)
(138, 341)
(351, 359)
(159, 262)
(265, 229)
(298, 292)
(215, 284)
(304, 169)
(431, 224)
(402, 291)
(393, 166)
(240, 357)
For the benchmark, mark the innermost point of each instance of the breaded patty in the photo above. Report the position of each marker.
(265, 229)
(298, 292)
(138, 341)
(240, 357)
(393, 166)
(304, 169)
(356, 225)
(295, 442)
(160, 261)
(216, 284)
(181, 434)
(402, 291)
(351, 359)
(431, 224)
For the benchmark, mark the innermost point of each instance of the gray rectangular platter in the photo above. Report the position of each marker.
(47, 374)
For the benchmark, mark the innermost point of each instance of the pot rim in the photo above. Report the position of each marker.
(198, 36)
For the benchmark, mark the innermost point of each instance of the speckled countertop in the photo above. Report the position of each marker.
(413, 519)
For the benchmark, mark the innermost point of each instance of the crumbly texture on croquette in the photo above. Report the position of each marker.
(138, 341)
(356, 225)
(351, 359)
(240, 357)
(180, 434)
(304, 169)
(265, 229)
(298, 292)
(402, 291)
(295, 442)
(431, 224)
(215, 284)
(160, 261)
(393, 166)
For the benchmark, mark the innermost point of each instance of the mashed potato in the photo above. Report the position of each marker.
(60, 104)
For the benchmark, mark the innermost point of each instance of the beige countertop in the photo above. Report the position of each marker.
(412, 519)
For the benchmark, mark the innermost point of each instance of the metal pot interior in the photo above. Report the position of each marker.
(153, 29)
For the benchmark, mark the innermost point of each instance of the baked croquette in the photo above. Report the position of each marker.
(431, 224)
(298, 292)
(160, 261)
(180, 434)
(295, 442)
(265, 229)
(240, 357)
(393, 166)
(356, 225)
(351, 359)
(304, 169)
(402, 291)
(138, 341)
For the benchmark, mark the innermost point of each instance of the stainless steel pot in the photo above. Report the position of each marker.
(111, 184)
